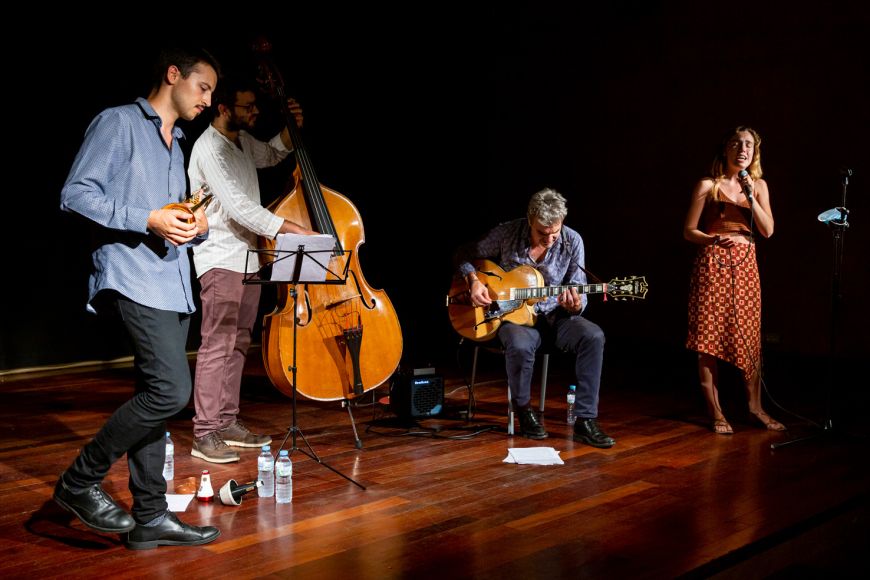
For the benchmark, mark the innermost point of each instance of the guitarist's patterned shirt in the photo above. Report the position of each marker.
(508, 245)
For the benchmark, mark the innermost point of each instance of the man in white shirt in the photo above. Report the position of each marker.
(226, 157)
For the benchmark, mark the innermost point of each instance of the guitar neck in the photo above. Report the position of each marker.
(546, 291)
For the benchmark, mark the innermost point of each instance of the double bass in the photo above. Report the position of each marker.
(348, 339)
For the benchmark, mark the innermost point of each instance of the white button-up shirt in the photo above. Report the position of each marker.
(236, 216)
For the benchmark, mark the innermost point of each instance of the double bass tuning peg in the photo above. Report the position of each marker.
(268, 76)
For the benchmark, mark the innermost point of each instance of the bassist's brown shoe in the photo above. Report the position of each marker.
(212, 448)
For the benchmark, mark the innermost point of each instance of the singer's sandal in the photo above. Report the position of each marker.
(721, 427)
(769, 422)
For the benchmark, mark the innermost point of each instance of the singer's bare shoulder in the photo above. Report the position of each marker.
(702, 188)
(696, 206)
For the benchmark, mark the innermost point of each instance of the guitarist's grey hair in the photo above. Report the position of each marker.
(548, 206)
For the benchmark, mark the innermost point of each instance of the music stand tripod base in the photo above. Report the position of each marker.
(294, 429)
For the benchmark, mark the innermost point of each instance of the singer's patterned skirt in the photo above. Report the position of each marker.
(725, 306)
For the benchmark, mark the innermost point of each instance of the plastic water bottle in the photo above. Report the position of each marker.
(572, 395)
(266, 472)
(169, 465)
(283, 478)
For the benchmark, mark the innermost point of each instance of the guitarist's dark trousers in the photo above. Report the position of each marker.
(569, 334)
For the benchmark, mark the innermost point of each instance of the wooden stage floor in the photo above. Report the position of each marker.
(671, 499)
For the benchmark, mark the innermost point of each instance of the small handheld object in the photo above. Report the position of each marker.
(205, 492)
(197, 199)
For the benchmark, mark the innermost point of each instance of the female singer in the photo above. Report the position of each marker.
(725, 291)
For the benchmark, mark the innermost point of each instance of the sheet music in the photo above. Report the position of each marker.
(287, 246)
(533, 456)
(178, 502)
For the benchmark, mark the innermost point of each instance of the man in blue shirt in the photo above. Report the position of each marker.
(130, 166)
(540, 240)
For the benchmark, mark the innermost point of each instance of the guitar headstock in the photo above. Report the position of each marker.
(630, 288)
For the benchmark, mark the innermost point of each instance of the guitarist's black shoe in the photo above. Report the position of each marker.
(587, 431)
(530, 426)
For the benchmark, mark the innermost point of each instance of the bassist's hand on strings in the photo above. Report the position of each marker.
(294, 109)
(291, 227)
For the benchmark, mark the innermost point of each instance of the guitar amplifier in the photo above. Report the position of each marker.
(417, 394)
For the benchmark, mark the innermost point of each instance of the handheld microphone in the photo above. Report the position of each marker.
(747, 189)
(231, 493)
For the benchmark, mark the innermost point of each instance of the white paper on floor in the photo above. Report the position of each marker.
(533, 456)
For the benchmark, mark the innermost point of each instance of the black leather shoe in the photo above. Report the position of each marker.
(530, 427)
(170, 532)
(587, 431)
(95, 508)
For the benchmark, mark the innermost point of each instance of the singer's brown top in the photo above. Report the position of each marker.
(725, 217)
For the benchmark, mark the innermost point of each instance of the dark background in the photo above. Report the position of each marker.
(442, 124)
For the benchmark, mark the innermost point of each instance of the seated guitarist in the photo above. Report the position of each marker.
(556, 251)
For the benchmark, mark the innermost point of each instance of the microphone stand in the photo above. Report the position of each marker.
(837, 220)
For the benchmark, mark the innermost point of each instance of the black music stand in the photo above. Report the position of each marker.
(301, 255)
(837, 220)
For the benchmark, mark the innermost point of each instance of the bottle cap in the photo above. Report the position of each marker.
(265, 448)
(283, 453)
(572, 387)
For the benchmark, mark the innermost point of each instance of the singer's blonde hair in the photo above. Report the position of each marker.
(720, 162)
